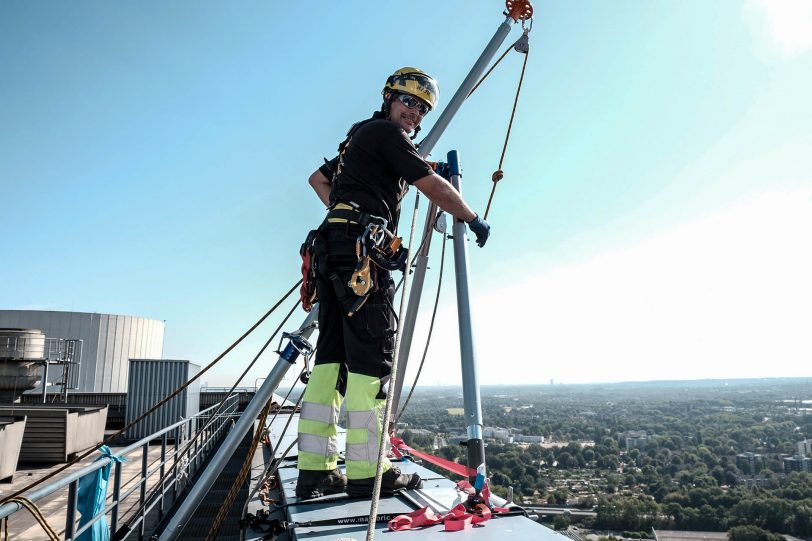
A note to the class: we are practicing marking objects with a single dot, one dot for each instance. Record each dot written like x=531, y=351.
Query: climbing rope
x=36, y=513
x=274, y=463
x=522, y=45
x=431, y=330
x=376, y=490
x=113, y=436
x=241, y=476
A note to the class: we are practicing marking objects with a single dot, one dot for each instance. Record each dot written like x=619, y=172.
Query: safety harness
x=376, y=247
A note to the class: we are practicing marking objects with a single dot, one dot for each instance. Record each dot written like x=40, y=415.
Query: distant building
x=420, y=431
x=496, y=433
x=750, y=481
x=635, y=439
x=797, y=463
x=108, y=342
x=677, y=535
x=805, y=448
x=749, y=462
x=520, y=438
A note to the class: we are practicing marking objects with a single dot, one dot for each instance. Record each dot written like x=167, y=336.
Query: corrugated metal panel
x=54, y=434
x=152, y=380
x=109, y=342
x=116, y=403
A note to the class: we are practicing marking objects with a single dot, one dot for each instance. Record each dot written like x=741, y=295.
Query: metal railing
x=66, y=354
x=207, y=389
x=21, y=347
x=176, y=464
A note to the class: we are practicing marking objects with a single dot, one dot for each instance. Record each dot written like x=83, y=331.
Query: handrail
x=226, y=389
x=12, y=507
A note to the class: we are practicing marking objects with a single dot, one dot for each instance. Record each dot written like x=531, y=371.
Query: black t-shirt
x=378, y=163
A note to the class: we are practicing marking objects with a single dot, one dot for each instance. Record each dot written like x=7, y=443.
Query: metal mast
x=422, y=257
x=470, y=379
x=264, y=393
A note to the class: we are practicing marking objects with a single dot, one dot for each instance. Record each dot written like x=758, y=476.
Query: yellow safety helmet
x=415, y=82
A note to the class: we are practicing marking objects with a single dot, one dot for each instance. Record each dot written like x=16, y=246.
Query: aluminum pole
x=470, y=380
x=235, y=435
x=422, y=259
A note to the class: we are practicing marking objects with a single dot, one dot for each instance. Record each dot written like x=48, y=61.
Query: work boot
x=391, y=481
x=317, y=483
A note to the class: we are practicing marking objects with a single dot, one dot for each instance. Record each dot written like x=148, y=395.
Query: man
x=365, y=182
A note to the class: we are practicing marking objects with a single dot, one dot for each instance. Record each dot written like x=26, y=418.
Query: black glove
x=481, y=229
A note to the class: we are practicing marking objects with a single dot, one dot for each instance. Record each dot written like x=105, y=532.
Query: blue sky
x=655, y=220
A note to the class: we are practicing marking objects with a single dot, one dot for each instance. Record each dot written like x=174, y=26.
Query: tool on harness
x=379, y=246
x=361, y=280
x=308, y=290
x=382, y=246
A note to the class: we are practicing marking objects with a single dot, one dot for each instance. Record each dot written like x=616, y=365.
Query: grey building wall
x=152, y=380
x=109, y=342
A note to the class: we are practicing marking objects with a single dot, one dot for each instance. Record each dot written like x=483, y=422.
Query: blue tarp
x=91, y=498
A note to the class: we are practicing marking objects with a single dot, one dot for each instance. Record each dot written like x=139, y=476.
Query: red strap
x=458, y=518
x=447, y=465
x=415, y=519
x=455, y=520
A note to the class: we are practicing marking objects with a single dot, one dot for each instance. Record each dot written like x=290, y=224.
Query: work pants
x=353, y=359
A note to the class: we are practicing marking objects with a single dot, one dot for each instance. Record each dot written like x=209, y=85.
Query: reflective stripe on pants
x=364, y=414
x=318, y=444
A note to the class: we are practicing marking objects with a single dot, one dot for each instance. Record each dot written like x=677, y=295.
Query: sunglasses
x=412, y=102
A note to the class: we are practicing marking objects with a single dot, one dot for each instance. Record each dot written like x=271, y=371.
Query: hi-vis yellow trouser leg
x=318, y=445
x=364, y=425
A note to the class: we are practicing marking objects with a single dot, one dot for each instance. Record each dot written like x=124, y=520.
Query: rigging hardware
x=519, y=10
